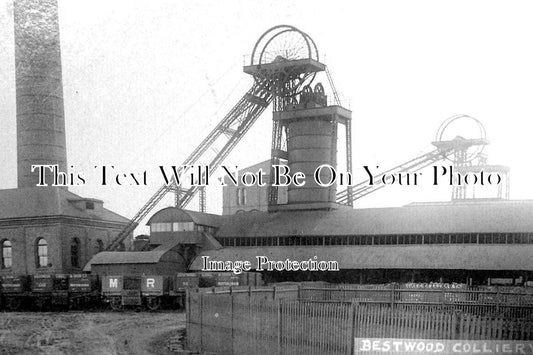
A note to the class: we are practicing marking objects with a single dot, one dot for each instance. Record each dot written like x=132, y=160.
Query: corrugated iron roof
x=479, y=217
x=130, y=257
x=174, y=214
x=469, y=257
x=47, y=202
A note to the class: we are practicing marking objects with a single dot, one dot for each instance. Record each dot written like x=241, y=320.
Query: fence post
x=457, y=334
x=499, y=298
x=393, y=291
x=279, y=326
x=352, y=333
x=187, y=305
x=201, y=321
x=232, y=324
x=274, y=292
x=298, y=295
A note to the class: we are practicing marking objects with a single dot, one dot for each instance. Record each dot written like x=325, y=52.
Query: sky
x=144, y=81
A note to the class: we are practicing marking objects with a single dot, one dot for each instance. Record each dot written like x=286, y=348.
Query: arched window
x=241, y=196
x=42, y=253
x=6, y=254
x=75, y=252
x=99, y=246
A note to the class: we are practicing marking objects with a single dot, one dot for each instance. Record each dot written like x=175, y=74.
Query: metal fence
x=270, y=320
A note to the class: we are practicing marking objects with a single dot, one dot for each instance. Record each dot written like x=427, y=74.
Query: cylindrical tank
x=311, y=142
x=39, y=90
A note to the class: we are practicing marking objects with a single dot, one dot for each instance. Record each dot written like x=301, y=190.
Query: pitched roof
x=174, y=214
x=458, y=217
x=50, y=201
x=131, y=257
x=468, y=257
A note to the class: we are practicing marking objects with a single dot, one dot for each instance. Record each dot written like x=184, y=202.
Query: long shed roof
x=461, y=217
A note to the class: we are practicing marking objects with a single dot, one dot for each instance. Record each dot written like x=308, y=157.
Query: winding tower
x=284, y=62
x=468, y=158
x=305, y=126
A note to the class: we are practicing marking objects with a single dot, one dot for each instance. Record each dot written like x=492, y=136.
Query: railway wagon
x=155, y=291
x=16, y=293
x=434, y=292
x=183, y=282
x=49, y=292
x=122, y=291
x=186, y=280
x=151, y=292
x=84, y=291
x=228, y=279
x=167, y=291
x=251, y=279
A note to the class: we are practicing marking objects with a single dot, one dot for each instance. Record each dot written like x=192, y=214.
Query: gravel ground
x=88, y=333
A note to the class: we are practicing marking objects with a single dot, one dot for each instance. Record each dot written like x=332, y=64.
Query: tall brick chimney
x=40, y=112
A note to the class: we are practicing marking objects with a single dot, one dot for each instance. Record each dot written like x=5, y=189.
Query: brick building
x=45, y=229
x=51, y=230
x=243, y=198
